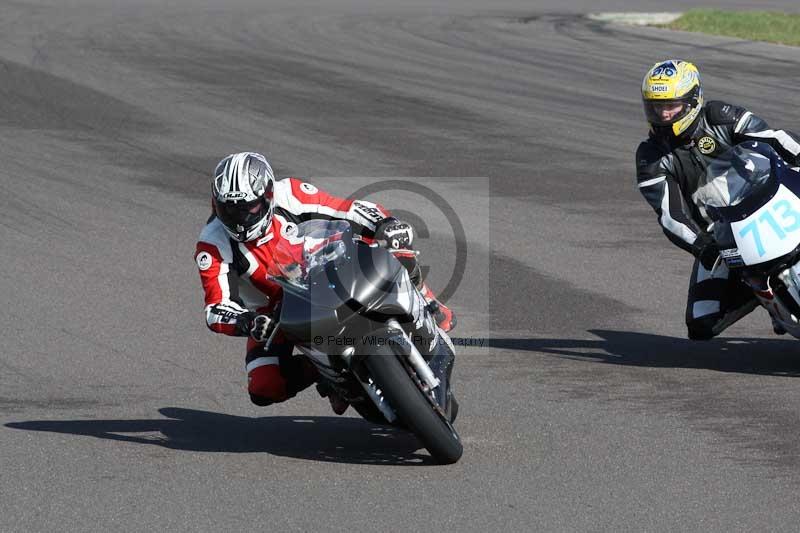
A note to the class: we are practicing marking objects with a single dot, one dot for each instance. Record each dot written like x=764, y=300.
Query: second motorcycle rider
x=686, y=135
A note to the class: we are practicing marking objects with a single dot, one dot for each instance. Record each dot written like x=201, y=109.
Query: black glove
x=262, y=328
x=706, y=250
x=258, y=327
x=394, y=234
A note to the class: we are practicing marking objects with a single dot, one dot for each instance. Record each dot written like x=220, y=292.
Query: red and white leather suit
x=235, y=277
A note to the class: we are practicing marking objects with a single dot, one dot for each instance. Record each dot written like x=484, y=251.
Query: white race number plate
x=770, y=232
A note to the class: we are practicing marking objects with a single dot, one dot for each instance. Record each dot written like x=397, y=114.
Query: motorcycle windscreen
x=771, y=231
x=313, y=245
x=736, y=175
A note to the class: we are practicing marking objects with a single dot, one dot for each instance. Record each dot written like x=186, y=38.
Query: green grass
x=767, y=26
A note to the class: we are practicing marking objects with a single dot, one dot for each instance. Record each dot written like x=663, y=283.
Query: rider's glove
x=394, y=234
x=706, y=250
x=258, y=327
x=262, y=328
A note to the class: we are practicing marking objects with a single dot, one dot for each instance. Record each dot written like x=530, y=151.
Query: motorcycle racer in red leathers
x=235, y=256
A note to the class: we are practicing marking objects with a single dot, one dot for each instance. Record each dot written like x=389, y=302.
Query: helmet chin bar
x=251, y=233
x=682, y=126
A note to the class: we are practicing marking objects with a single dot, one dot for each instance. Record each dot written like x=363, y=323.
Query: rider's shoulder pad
x=649, y=153
x=214, y=234
x=719, y=113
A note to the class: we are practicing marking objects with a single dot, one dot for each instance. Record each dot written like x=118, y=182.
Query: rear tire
x=411, y=405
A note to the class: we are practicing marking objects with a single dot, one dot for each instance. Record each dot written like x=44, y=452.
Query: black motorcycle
x=351, y=309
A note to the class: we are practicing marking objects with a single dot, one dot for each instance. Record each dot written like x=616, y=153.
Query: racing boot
x=444, y=316
x=777, y=328
x=338, y=404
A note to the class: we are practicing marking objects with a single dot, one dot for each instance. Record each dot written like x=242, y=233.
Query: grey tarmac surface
x=587, y=411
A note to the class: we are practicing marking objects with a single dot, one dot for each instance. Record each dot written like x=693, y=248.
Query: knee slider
x=260, y=400
x=702, y=329
x=266, y=384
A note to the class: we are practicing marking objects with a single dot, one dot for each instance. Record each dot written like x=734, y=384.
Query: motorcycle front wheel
x=413, y=408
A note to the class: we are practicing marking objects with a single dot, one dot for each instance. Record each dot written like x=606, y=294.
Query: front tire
x=411, y=405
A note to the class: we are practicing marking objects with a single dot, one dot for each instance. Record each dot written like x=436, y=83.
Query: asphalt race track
x=585, y=408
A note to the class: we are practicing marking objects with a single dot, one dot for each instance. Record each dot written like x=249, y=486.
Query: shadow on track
x=776, y=356
x=340, y=440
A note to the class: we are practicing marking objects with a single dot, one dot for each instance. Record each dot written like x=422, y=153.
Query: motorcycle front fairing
x=753, y=197
x=340, y=285
x=338, y=290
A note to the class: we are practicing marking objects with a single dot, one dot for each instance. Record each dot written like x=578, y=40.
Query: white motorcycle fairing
x=770, y=232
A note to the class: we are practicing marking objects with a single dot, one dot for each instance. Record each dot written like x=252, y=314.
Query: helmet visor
x=239, y=216
x=665, y=112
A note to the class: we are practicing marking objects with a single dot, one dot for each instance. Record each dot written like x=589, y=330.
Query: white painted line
x=636, y=19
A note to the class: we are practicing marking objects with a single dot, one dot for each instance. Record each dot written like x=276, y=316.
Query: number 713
x=786, y=213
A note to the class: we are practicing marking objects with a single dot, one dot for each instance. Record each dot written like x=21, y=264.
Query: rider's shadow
x=778, y=356
x=332, y=439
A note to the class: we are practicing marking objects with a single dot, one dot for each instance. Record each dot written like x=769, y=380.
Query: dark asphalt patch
x=36, y=100
x=545, y=302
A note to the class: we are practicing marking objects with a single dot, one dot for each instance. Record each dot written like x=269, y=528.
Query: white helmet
x=242, y=195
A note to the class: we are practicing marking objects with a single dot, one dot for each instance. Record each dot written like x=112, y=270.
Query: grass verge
x=769, y=26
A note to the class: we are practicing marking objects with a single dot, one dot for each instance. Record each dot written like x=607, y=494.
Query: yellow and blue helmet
x=672, y=95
